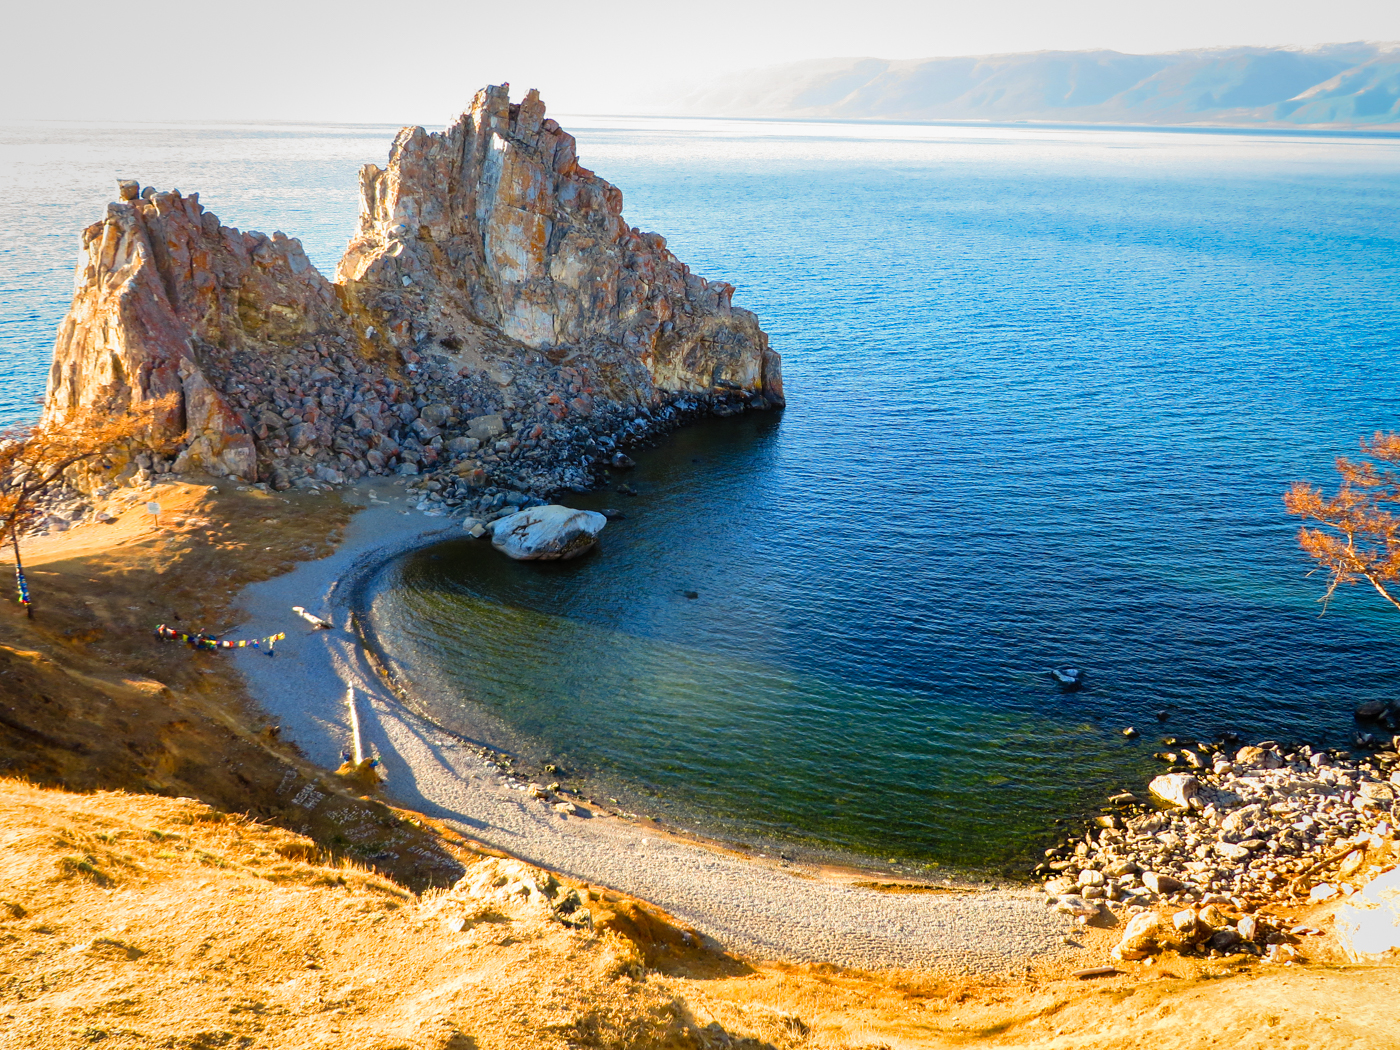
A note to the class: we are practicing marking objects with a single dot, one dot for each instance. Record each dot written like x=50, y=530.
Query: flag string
x=202, y=641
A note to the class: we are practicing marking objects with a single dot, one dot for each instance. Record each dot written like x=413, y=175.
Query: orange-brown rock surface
x=493, y=226
x=490, y=275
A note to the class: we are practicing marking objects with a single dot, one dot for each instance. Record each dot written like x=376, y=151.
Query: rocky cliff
x=493, y=312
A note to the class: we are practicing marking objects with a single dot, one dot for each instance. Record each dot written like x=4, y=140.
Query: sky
x=420, y=61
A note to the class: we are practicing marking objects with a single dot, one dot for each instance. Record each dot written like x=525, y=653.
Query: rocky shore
x=1224, y=835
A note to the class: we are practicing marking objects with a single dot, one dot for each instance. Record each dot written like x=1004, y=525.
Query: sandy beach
x=750, y=907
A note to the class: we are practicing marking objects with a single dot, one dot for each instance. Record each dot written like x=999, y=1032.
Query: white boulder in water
x=550, y=533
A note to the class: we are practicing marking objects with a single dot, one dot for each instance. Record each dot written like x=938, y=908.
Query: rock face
x=492, y=284
x=551, y=533
x=493, y=224
x=160, y=289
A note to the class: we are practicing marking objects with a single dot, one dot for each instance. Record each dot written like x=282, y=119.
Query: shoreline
x=525, y=759
x=758, y=907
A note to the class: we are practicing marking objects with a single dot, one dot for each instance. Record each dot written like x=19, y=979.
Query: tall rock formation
x=493, y=227
x=490, y=274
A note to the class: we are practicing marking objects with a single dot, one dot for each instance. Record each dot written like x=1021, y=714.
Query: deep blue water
x=1046, y=388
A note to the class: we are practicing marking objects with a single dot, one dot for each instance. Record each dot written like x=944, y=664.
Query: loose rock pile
x=1238, y=831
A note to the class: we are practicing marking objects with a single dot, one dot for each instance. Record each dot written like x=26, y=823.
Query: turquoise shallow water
x=1046, y=388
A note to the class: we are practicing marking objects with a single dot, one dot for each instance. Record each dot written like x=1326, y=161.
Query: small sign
x=153, y=509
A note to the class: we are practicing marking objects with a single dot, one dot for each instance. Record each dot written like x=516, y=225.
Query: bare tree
x=1360, y=535
x=35, y=459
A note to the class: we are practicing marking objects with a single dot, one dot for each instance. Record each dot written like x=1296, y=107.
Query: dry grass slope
x=90, y=699
x=136, y=921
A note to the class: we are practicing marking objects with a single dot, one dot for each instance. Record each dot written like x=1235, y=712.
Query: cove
x=1046, y=388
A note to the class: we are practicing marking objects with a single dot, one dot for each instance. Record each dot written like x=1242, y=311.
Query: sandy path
x=749, y=907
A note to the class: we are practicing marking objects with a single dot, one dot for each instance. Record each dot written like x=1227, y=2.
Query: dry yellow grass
x=91, y=699
x=137, y=921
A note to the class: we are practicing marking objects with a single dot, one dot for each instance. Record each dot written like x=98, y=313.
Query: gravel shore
x=1242, y=829
x=757, y=909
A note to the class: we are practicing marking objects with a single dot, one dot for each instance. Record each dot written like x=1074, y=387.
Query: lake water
x=1046, y=388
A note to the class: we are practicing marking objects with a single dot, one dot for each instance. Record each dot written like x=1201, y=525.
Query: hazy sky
x=403, y=61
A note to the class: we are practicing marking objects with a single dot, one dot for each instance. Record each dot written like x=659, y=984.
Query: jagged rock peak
x=489, y=272
x=161, y=288
x=493, y=222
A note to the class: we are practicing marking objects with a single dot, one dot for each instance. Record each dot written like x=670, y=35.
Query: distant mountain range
x=1328, y=86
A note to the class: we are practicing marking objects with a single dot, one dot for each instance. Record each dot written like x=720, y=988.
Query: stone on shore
x=1258, y=758
x=1145, y=935
x=1179, y=789
x=1368, y=925
x=485, y=428
x=1073, y=904
x=1159, y=883
x=552, y=533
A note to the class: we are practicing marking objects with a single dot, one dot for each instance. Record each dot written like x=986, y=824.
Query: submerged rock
x=552, y=533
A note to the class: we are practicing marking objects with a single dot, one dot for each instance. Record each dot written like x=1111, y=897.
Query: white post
x=355, y=725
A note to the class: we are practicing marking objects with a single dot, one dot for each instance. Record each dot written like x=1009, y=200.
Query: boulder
x=460, y=446
x=1241, y=818
x=1230, y=851
x=1213, y=917
x=1376, y=791
x=1073, y=904
x=1145, y=935
x=1368, y=924
x=484, y=428
x=1258, y=758
x=1159, y=883
x=1178, y=789
x=423, y=430
x=1192, y=759
x=435, y=415
x=1185, y=924
x=551, y=533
